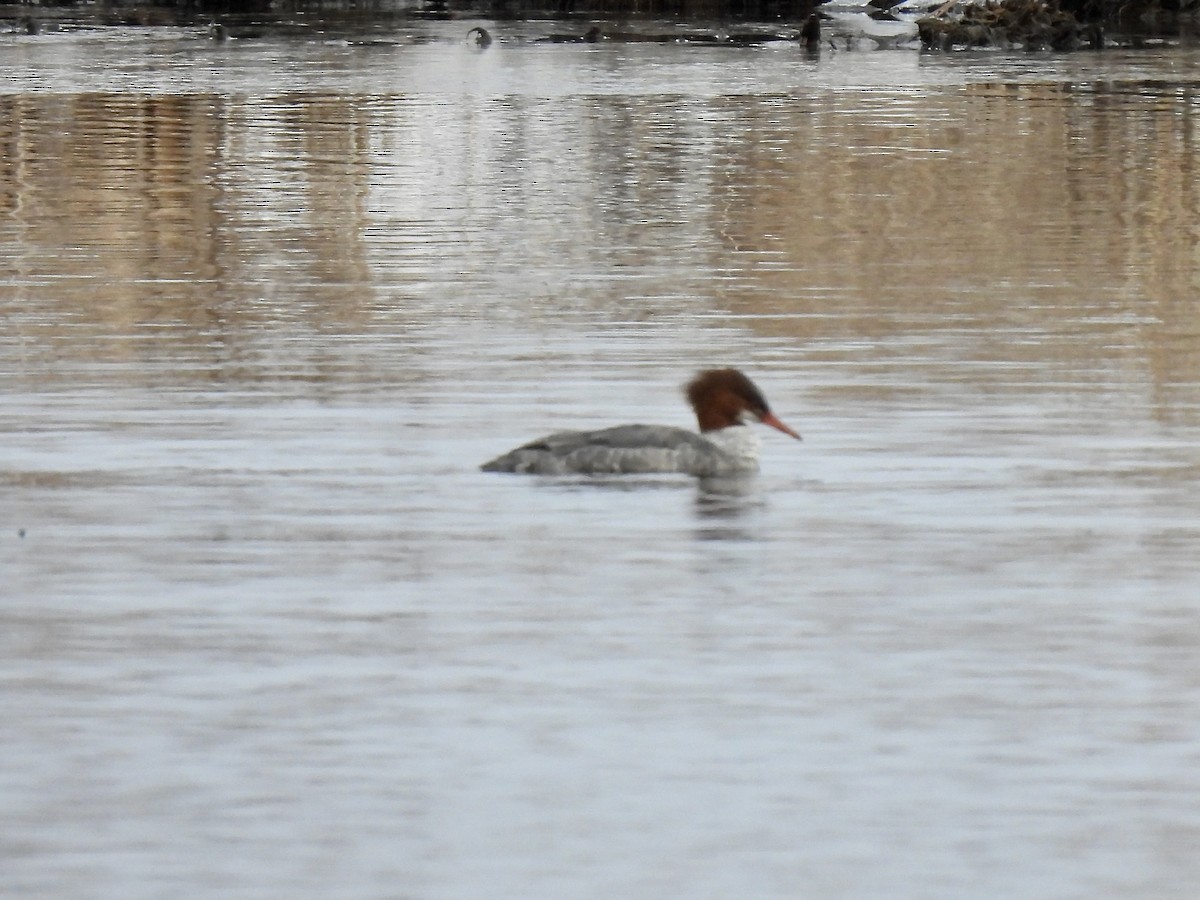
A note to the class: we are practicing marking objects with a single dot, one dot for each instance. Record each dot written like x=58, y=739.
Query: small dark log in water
x=591, y=36
x=810, y=34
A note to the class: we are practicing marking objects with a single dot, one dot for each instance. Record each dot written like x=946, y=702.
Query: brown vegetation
x=1032, y=24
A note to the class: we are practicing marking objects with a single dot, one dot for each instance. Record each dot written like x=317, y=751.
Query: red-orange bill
x=769, y=419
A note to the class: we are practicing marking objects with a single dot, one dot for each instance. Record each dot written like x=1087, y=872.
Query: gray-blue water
x=266, y=631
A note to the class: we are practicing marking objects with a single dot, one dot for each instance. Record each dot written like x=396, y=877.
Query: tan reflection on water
x=1065, y=214
x=294, y=644
x=189, y=212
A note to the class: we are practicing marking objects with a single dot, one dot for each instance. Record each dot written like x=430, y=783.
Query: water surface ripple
x=265, y=629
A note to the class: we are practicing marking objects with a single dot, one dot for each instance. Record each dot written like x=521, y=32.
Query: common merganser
x=723, y=400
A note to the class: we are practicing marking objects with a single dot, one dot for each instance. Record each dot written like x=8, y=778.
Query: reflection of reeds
x=1033, y=223
x=1070, y=215
x=163, y=211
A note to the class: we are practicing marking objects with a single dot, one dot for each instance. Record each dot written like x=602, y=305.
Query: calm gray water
x=266, y=631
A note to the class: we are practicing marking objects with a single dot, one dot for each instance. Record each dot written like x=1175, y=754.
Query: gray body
x=633, y=450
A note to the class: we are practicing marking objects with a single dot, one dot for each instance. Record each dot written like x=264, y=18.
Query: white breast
x=740, y=442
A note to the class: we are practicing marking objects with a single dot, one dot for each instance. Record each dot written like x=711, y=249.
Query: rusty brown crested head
x=721, y=397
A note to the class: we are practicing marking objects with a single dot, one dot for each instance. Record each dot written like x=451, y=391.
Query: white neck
x=739, y=441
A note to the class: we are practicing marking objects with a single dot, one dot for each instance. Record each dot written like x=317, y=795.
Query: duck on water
x=724, y=401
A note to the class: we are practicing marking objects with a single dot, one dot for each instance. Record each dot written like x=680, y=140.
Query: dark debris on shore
x=1029, y=24
x=956, y=24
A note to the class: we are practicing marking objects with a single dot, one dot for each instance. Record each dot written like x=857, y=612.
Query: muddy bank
x=1030, y=24
x=1055, y=24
